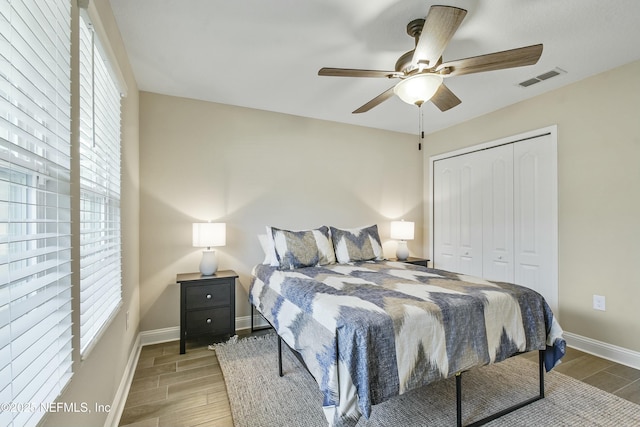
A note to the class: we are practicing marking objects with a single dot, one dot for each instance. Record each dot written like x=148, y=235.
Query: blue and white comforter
x=373, y=330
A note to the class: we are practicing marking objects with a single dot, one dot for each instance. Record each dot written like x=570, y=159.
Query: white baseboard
x=244, y=322
x=117, y=406
x=601, y=349
x=158, y=336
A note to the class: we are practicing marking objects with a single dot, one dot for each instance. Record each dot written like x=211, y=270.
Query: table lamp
x=402, y=231
x=206, y=235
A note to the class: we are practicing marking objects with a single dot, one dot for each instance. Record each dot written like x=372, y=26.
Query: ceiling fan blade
x=350, y=72
x=375, y=101
x=444, y=99
x=519, y=57
x=439, y=26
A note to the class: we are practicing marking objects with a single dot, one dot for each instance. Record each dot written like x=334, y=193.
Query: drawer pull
x=208, y=296
x=208, y=320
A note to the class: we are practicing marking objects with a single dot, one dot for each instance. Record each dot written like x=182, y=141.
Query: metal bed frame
x=458, y=376
x=458, y=389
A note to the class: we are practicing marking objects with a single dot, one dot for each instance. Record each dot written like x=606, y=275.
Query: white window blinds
x=100, y=248
x=35, y=276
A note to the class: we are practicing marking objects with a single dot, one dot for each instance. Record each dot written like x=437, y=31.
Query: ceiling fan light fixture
x=418, y=89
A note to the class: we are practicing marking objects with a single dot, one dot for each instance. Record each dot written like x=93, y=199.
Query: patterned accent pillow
x=357, y=244
x=307, y=248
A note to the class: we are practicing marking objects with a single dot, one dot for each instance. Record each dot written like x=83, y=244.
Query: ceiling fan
x=421, y=70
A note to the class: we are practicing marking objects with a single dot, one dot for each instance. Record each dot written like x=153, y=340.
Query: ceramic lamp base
x=209, y=263
x=402, y=252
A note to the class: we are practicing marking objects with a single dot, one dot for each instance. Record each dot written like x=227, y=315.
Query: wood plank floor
x=170, y=389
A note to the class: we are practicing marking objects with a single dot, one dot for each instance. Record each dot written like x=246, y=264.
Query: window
x=100, y=245
x=35, y=225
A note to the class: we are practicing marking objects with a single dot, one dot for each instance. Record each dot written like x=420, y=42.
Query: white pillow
x=270, y=252
x=264, y=244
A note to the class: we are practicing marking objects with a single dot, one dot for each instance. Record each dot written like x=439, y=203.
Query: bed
x=368, y=329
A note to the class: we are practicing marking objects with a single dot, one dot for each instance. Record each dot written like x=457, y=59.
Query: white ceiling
x=265, y=54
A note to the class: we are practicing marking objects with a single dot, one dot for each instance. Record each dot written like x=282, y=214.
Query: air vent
x=542, y=77
x=529, y=82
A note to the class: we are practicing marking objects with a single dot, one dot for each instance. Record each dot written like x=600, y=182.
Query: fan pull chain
x=420, y=127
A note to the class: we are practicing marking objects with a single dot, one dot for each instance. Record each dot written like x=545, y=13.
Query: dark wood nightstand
x=207, y=305
x=412, y=260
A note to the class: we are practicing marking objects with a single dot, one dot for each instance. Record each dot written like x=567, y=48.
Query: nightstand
x=207, y=305
x=412, y=260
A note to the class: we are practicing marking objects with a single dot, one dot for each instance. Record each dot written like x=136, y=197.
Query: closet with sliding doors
x=494, y=211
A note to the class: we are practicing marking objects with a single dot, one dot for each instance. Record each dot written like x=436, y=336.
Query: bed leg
x=541, y=372
x=504, y=411
x=280, y=356
x=459, y=399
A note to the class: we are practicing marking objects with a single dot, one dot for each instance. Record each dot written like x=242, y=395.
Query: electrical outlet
x=598, y=302
x=126, y=321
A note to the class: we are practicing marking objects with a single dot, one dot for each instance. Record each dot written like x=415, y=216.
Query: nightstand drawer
x=213, y=322
x=208, y=295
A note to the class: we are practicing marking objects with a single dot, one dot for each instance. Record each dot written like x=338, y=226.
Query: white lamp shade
x=402, y=230
x=207, y=234
x=418, y=89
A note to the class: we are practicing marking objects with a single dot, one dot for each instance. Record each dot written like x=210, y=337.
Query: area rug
x=260, y=398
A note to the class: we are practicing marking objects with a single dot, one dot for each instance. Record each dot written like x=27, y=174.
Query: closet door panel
x=458, y=214
x=533, y=211
x=445, y=202
x=497, y=208
x=470, y=225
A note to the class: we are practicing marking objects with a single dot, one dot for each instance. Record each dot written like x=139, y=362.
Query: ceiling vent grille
x=542, y=77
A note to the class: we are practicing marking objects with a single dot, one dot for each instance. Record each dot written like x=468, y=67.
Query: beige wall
x=96, y=378
x=203, y=161
x=598, y=194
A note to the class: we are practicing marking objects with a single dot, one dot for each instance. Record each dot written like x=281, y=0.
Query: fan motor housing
x=414, y=28
x=404, y=62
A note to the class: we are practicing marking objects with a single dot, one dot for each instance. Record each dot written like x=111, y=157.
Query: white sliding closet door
x=445, y=206
x=458, y=200
x=470, y=221
x=497, y=215
x=534, y=167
